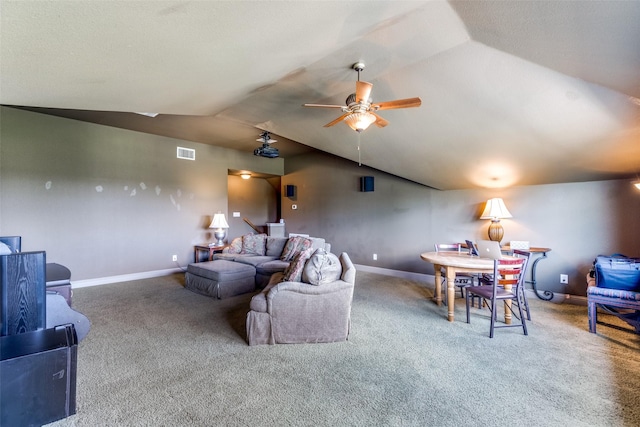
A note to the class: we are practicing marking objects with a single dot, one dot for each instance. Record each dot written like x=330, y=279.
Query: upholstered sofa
x=268, y=254
x=311, y=309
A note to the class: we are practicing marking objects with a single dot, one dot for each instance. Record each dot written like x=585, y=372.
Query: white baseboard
x=123, y=278
x=418, y=277
x=558, y=298
x=575, y=299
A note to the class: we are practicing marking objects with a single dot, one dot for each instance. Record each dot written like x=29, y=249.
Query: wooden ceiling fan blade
x=323, y=106
x=398, y=103
x=363, y=91
x=380, y=122
x=336, y=121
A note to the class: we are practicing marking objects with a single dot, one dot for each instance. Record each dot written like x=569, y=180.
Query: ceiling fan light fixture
x=360, y=121
x=360, y=111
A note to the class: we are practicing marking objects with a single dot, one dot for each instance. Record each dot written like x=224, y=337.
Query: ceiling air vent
x=186, y=153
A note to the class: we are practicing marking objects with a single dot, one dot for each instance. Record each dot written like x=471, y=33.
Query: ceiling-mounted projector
x=266, y=150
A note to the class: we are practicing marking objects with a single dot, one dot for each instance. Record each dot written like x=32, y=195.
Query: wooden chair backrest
x=509, y=271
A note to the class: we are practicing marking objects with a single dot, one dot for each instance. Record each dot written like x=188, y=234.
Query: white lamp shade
x=495, y=209
x=219, y=221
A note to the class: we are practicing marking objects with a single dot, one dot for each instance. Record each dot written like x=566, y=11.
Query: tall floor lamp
x=495, y=210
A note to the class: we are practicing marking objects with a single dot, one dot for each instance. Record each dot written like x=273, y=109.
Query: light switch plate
x=236, y=214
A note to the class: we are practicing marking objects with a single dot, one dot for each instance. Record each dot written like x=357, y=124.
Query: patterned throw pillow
x=288, y=249
x=305, y=244
x=294, y=246
x=254, y=244
x=293, y=273
x=236, y=246
x=323, y=267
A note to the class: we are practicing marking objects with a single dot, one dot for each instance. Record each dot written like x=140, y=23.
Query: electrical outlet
x=564, y=278
x=375, y=257
x=236, y=214
x=174, y=257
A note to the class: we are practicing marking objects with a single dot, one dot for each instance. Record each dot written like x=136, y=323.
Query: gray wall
x=68, y=187
x=105, y=201
x=255, y=199
x=401, y=219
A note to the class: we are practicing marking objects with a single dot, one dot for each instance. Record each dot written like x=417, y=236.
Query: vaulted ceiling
x=513, y=92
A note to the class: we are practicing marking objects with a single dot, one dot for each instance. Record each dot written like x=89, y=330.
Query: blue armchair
x=614, y=287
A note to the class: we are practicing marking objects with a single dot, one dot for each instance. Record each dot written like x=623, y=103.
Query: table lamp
x=495, y=210
x=219, y=224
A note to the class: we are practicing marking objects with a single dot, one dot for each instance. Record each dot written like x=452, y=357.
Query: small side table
x=205, y=247
x=546, y=295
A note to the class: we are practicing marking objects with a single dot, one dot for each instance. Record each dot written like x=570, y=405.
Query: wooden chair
x=523, y=294
x=506, y=272
x=462, y=279
x=487, y=279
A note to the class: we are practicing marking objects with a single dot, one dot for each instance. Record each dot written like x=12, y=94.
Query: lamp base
x=496, y=232
x=219, y=234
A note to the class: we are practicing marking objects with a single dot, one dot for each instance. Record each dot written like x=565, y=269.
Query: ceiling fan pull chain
x=359, y=162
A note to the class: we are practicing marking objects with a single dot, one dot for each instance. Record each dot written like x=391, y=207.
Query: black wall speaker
x=290, y=190
x=366, y=183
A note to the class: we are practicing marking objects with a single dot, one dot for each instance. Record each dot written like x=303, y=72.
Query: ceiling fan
x=360, y=111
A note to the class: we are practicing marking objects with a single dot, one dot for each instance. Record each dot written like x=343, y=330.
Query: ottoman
x=220, y=278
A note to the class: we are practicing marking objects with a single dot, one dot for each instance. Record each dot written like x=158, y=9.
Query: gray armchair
x=26, y=301
x=297, y=312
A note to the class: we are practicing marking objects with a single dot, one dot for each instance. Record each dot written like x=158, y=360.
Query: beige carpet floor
x=160, y=355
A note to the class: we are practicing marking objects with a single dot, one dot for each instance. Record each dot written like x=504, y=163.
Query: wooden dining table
x=457, y=262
